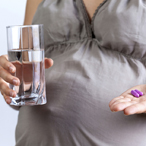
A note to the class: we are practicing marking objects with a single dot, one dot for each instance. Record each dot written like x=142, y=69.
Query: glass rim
x=23, y=26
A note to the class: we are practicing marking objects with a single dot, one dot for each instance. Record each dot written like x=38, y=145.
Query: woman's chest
x=117, y=25
x=91, y=6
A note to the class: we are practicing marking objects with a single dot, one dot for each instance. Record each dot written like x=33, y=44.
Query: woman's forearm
x=31, y=7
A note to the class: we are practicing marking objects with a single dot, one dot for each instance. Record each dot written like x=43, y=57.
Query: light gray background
x=11, y=13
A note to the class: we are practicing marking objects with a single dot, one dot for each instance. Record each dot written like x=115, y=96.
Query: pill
x=139, y=92
x=134, y=93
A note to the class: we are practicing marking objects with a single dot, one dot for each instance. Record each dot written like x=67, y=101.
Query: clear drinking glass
x=26, y=52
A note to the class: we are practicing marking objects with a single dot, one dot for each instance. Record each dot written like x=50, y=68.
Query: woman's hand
x=6, y=71
x=128, y=103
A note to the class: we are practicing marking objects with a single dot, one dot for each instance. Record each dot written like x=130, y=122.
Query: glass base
x=33, y=99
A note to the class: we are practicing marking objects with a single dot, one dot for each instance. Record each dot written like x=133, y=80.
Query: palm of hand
x=128, y=103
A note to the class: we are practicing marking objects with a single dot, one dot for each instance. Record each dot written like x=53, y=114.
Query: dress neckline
x=86, y=10
x=90, y=23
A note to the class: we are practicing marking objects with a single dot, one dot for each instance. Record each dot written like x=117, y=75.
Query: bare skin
x=128, y=103
x=91, y=6
x=125, y=102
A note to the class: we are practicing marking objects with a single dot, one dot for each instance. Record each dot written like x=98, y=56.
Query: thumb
x=48, y=63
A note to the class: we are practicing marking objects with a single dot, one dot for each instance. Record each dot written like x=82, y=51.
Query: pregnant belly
x=77, y=111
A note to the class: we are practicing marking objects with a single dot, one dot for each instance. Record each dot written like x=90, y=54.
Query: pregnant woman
x=99, y=53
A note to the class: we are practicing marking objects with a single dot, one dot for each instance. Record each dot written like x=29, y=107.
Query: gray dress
x=92, y=65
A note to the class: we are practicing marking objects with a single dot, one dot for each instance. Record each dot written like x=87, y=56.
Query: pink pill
x=134, y=93
x=139, y=92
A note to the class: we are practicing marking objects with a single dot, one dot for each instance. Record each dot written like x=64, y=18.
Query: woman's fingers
x=7, y=98
x=122, y=105
x=6, y=69
x=123, y=97
x=120, y=100
x=136, y=108
x=48, y=63
x=5, y=75
x=4, y=63
x=115, y=99
x=4, y=88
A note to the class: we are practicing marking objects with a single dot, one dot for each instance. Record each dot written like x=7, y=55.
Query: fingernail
x=12, y=94
x=8, y=101
x=11, y=69
x=15, y=81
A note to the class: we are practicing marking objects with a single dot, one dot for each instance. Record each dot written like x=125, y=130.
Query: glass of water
x=26, y=53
